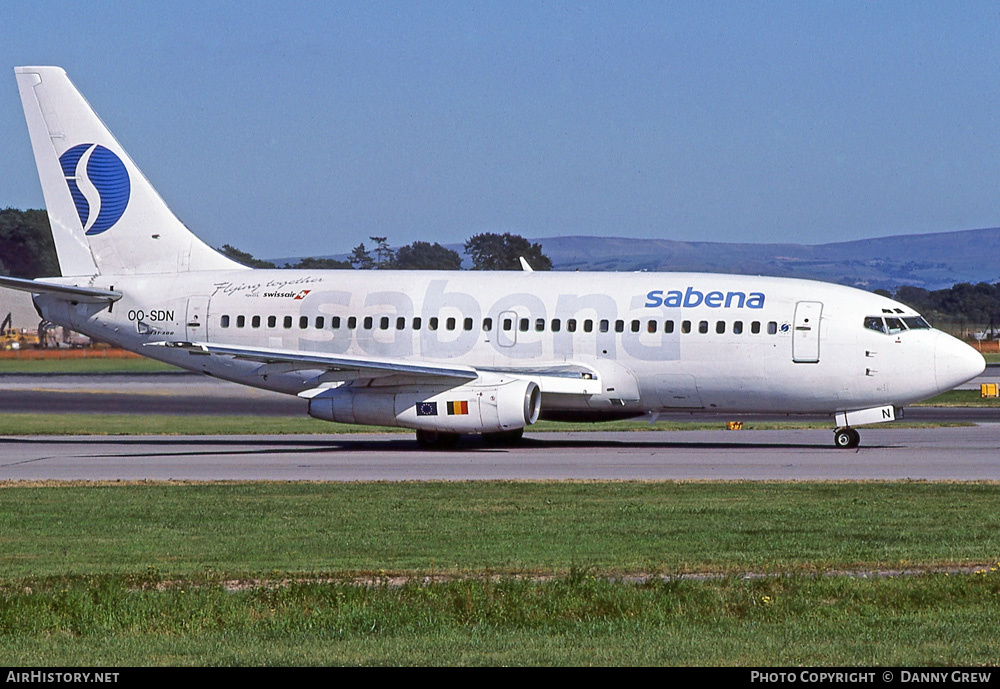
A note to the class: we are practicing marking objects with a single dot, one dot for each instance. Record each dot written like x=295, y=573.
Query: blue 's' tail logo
x=99, y=183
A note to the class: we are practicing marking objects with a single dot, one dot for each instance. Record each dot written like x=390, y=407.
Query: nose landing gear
x=846, y=438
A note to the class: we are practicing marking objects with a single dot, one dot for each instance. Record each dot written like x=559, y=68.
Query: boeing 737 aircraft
x=453, y=352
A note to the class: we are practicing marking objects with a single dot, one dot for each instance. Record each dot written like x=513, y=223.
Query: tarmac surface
x=961, y=454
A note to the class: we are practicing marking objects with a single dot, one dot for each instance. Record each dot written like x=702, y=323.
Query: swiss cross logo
x=302, y=294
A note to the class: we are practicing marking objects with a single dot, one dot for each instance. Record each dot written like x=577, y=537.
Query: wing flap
x=291, y=360
x=562, y=379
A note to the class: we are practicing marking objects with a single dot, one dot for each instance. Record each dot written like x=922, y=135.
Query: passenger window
x=685, y=327
x=556, y=325
x=467, y=324
x=720, y=327
x=335, y=322
x=432, y=323
x=487, y=324
x=450, y=324
x=224, y=322
x=619, y=326
x=523, y=325
x=634, y=326
x=241, y=321
x=352, y=322
x=303, y=322
x=368, y=322
x=772, y=328
x=383, y=323
x=651, y=327
x=668, y=327
x=737, y=327
x=755, y=327
x=417, y=322
x=272, y=321
x=320, y=322
x=400, y=323
x=508, y=324
x=604, y=325
x=703, y=327
x=539, y=325
x=571, y=325
x=588, y=326
x=287, y=322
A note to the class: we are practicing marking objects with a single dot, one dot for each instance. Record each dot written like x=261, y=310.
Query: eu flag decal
x=427, y=409
x=458, y=408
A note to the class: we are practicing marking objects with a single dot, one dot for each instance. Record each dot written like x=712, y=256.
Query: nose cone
x=955, y=362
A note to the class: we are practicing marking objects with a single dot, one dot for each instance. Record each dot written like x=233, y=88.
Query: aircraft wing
x=559, y=378
x=68, y=292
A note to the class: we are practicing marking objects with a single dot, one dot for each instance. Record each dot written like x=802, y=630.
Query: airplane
x=449, y=353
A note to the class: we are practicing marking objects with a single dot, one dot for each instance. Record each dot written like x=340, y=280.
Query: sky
x=304, y=128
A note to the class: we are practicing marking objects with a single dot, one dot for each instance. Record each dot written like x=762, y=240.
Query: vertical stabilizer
x=106, y=217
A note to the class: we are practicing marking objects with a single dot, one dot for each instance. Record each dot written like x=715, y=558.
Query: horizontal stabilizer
x=69, y=292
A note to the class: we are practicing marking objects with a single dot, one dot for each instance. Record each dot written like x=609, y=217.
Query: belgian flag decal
x=458, y=408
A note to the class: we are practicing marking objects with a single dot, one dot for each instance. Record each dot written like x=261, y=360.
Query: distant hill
x=931, y=261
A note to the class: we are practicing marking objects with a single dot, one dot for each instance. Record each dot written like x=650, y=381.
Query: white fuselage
x=658, y=341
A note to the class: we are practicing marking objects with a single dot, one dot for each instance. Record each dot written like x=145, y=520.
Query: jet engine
x=490, y=404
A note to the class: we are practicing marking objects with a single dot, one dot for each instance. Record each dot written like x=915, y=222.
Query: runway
x=958, y=454
x=887, y=452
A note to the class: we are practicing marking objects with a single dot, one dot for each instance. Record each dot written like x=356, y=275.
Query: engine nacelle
x=490, y=404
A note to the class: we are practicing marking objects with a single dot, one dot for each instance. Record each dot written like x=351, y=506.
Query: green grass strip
x=498, y=574
x=574, y=620
x=511, y=527
x=88, y=365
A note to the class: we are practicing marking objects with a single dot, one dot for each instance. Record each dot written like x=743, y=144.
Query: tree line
x=960, y=307
x=488, y=251
x=26, y=248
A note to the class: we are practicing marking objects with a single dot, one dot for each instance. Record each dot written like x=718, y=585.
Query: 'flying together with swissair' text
x=451, y=353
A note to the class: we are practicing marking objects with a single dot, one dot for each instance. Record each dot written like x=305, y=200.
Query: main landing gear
x=438, y=440
x=846, y=438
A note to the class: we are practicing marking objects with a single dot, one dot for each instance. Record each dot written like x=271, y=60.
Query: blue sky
x=292, y=129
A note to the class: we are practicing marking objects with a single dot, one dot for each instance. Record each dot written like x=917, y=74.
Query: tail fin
x=106, y=217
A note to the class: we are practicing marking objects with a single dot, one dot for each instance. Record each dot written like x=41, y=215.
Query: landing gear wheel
x=846, y=438
x=503, y=438
x=436, y=440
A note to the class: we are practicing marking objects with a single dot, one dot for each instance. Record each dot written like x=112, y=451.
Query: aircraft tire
x=846, y=438
x=436, y=440
x=503, y=438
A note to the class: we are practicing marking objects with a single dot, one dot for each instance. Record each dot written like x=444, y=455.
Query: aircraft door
x=507, y=329
x=196, y=319
x=805, y=332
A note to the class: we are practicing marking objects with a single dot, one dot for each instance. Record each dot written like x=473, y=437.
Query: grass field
x=499, y=574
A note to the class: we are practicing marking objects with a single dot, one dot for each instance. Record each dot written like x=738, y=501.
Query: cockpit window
x=875, y=323
x=894, y=325
x=916, y=323
x=891, y=325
